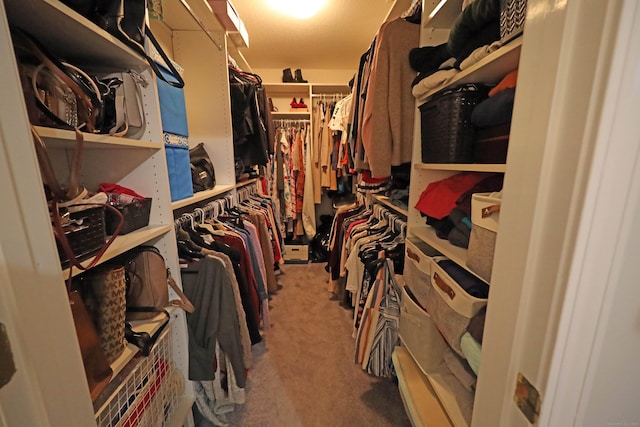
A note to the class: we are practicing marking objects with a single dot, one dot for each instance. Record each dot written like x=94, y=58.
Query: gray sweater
x=207, y=284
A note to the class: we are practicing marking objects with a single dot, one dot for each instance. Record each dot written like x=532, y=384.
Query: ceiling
x=333, y=39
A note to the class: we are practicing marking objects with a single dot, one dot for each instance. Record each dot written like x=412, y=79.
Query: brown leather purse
x=96, y=367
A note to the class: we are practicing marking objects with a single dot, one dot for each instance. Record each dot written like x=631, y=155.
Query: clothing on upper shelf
x=253, y=131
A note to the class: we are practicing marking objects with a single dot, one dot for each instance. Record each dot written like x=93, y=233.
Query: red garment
x=107, y=187
x=245, y=265
x=439, y=198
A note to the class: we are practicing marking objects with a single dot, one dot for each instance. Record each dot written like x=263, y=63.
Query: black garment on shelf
x=249, y=118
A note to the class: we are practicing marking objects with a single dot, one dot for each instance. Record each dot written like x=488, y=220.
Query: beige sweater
x=387, y=128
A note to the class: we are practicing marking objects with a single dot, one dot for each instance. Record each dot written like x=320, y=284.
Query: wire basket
x=146, y=392
x=446, y=130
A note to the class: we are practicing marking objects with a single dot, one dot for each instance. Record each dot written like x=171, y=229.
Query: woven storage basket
x=446, y=130
x=512, y=17
x=86, y=235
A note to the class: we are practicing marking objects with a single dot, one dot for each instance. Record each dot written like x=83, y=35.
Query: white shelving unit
x=456, y=402
x=32, y=280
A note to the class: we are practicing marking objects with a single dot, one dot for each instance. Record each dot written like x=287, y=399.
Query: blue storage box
x=173, y=111
x=179, y=168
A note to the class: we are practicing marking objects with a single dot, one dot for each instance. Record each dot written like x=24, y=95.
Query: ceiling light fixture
x=301, y=9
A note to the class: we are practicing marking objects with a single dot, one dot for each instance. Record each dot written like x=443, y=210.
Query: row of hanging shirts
x=228, y=250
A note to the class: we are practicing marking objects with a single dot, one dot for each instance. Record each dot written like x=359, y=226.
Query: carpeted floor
x=303, y=372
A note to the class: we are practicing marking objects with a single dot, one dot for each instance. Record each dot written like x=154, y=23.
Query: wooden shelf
x=91, y=44
x=419, y=398
x=463, y=167
x=123, y=243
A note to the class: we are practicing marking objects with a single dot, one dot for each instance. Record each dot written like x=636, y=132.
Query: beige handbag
x=105, y=301
x=147, y=279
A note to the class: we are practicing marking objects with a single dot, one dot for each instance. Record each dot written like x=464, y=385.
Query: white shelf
x=286, y=88
x=457, y=400
x=384, y=200
x=247, y=182
x=419, y=398
x=61, y=138
x=202, y=195
x=457, y=254
x=277, y=115
x=444, y=14
x=463, y=167
x=488, y=70
x=91, y=44
x=124, y=243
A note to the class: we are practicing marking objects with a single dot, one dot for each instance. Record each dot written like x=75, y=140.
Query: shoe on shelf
x=301, y=104
x=294, y=103
x=287, y=77
x=271, y=106
x=299, y=78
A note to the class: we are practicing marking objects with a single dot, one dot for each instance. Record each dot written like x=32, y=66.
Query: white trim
x=596, y=269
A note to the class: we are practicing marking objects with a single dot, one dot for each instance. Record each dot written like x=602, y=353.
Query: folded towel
x=479, y=54
x=471, y=350
x=433, y=81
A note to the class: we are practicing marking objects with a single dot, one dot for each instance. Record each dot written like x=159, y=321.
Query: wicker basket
x=86, y=235
x=446, y=128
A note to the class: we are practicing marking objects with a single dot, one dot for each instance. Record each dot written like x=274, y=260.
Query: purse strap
x=183, y=302
x=83, y=92
x=174, y=73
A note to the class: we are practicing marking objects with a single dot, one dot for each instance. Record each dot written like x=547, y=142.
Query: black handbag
x=126, y=20
x=203, y=175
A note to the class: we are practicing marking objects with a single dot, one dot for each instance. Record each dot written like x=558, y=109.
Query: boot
x=287, y=77
x=299, y=78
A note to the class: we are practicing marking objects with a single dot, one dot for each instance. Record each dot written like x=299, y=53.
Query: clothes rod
x=201, y=24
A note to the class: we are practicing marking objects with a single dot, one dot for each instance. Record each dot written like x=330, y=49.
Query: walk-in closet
x=374, y=213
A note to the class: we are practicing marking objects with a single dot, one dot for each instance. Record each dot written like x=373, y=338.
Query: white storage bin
x=451, y=306
x=417, y=268
x=296, y=254
x=419, y=335
x=485, y=217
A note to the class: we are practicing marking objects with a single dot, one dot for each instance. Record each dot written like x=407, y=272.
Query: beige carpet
x=303, y=373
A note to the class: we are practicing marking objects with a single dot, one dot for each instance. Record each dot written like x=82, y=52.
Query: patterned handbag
x=106, y=302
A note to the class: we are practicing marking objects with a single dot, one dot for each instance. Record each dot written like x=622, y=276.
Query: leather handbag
x=96, y=367
x=104, y=291
x=57, y=94
x=126, y=20
x=148, y=281
x=123, y=104
x=203, y=175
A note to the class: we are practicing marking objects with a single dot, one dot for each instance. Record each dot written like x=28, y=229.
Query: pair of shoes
x=295, y=104
x=287, y=77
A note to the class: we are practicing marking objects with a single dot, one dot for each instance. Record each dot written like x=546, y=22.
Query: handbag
x=126, y=20
x=203, y=175
x=57, y=94
x=147, y=277
x=96, y=367
x=123, y=104
x=104, y=291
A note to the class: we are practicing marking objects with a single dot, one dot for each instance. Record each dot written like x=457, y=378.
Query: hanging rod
x=201, y=24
